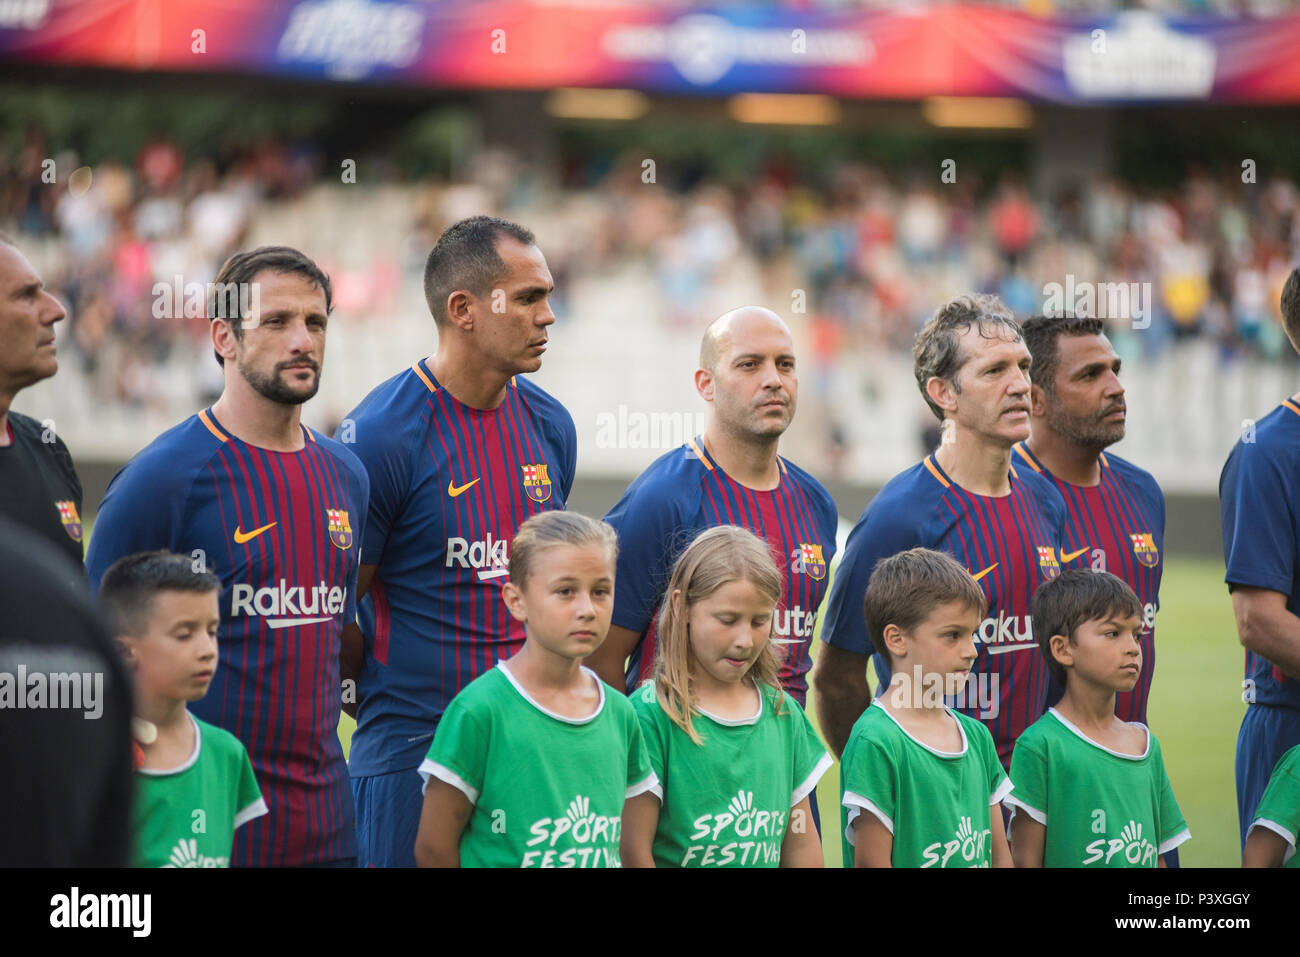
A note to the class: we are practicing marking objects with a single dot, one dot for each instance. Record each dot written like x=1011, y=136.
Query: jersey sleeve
x=1173, y=829
x=458, y=755
x=650, y=535
x=1029, y=772
x=1258, y=525
x=999, y=784
x=654, y=733
x=641, y=776
x=875, y=536
x=869, y=784
x=385, y=456
x=248, y=795
x=142, y=511
x=361, y=508
x=1279, y=808
x=811, y=759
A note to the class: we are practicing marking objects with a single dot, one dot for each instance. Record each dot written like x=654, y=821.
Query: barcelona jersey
x=450, y=484
x=281, y=530
x=1259, y=501
x=1118, y=526
x=1010, y=544
x=685, y=492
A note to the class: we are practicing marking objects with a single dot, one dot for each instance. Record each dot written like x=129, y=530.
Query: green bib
x=547, y=790
x=1279, y=808
x=1101, y=808
x=727, y=803
x=187, y=817
x=935, y=803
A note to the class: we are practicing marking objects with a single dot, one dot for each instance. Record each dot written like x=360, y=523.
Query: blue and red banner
x=962, y=49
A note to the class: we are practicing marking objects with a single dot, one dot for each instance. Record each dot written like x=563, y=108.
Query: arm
x=873, y=844
x=352, y=650
x=1001, y=853
x=640, y=821
x=839, y=678
x=1028, y=839
x=1265, y=627
x=609, y=661
x=442, y=822
x=802, y=846
x=1264, y=848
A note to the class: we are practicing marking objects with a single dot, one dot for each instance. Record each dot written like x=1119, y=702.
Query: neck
x=909, y=690
x=976, y=464
x=536, y=667
x=1068, y=461
x=166, y=714
x=259, y=421
x=463, y=373
x=751, y=462
x=1087, y=706
x=725, y=696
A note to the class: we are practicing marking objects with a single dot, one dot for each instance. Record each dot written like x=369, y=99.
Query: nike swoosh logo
x=1073, y=555
x=453, y=490
x=985, y=572
x=241, y=537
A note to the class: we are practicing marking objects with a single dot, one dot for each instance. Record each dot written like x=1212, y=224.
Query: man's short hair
x=1042, y=334
x=1291, y=308
x=128, y=588
x=1074, y=598
x=906, y=588
x=225, y=296
x=465, y=257
x=937, y=350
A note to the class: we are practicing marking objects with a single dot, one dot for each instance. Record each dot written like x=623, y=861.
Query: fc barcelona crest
x=340, y=528
x=71, y=520
x=1047, y=562
x=811, y=560
x=1144, y=547
x=537, y=482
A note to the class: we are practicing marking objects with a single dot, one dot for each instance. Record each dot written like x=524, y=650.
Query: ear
x=460, y=310
x=514, y=599
x=895, y=640
x=1037, y=401
x=704, y=384
x=223, y=340
x=941, y=393
x=127, y=650
x=1061, y=650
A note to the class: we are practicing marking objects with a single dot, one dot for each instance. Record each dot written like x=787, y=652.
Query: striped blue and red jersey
x=450, y=485
x=279, y=529
x=1118, y=526
x=684, y=492
x=1259, y=503
x=1010, y=544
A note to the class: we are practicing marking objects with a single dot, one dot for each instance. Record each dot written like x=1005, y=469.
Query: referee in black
x=39, y=487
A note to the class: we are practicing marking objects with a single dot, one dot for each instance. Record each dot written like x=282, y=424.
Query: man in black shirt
x=39, y=487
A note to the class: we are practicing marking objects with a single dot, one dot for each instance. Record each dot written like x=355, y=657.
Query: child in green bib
x=735, y=756
x=1091, y=789
x=1272, y=838
x=533, y=760
x=194, y=783
x=920, y=783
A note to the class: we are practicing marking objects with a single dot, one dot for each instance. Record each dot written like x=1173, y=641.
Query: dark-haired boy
x=1092, y=787
x=920, y=783
x=194, y=783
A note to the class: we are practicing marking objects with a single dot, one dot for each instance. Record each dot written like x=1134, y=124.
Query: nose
x=968, y=651
x=1114, y=388
x=54, y=309
x=209, y=647
x=301, y=339
x=585, y=607
x=544, y=316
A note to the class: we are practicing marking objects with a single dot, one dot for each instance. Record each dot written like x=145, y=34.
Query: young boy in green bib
x=1272, y=838
x=1091, y=789
x=194, y=782
x=920, y=783
x=533, y=761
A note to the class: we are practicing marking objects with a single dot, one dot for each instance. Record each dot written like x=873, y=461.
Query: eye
x=726, y=619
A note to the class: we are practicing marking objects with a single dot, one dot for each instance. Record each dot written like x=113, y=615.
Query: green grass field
x=1195, y=711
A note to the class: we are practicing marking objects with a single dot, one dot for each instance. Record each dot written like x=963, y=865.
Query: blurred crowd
x=862, y=256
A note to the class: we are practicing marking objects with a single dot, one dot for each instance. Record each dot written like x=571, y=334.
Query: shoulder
x=873, y=731
x=218, y=743
x=344, y=455
x=545, y=409
x=1289, y=763
x=671, y=481
x=975, y=729
x=811, y=487
x=173, y=458
x=901, y=509
x=1137, y=477
x=645, y=700
x=1037, y=734
x=32, y=434
x=1040, y=487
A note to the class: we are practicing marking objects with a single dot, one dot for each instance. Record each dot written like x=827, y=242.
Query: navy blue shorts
x=388, y=818
x=1266, y=734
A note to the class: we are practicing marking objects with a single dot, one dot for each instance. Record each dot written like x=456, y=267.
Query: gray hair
x=937, y=350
